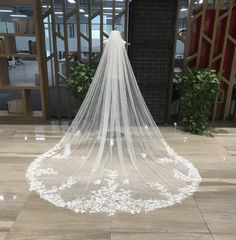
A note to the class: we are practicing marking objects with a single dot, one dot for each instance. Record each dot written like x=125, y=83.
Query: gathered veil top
x=113, y=157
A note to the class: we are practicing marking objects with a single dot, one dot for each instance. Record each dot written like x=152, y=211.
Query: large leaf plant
x=198, y=89
x=80, y=78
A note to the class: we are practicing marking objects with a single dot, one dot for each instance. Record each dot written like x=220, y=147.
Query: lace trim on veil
x=111, y=197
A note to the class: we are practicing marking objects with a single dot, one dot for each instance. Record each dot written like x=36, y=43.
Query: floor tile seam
x=165, y=232
x=200, y=211
x=15, y=222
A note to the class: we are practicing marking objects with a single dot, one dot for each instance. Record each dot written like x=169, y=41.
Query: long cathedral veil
x=113, y=157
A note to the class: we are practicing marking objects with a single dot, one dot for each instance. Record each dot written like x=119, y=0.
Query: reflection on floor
x=209, y=215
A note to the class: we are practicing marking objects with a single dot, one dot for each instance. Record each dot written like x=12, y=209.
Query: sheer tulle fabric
x=113, y=157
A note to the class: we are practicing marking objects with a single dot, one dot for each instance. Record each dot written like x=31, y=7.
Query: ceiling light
x=81, y=10
x=59, y=13
x=86, y=15
x=71, y=1
x=198, y=2
x=110, y=13
x=6, y=11
x=45, y=6
x=18, y=15
x=110, y=8
x=183, y=9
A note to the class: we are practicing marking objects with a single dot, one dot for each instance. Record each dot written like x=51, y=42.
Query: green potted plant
x=79, y=80
x=198, y=89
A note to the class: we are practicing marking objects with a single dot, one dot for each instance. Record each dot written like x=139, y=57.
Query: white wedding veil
x=113, y=157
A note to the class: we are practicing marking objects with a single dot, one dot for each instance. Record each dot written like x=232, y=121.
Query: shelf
x=20, y=86
x=22, y=55
x=35, y=114
x=19, y=34
x=23, y=43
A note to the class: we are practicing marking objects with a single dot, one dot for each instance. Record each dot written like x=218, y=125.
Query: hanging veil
x=113, y=157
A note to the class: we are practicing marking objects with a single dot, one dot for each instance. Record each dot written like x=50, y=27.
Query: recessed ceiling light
x=71, y=1
x=183, y=9
x=110, y=8
x=110, y=13
x=59, y=13
x=6, y=11
x=198, y=1
x=18, y=15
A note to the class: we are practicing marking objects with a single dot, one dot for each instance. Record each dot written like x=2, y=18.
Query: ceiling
x=27, y=9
